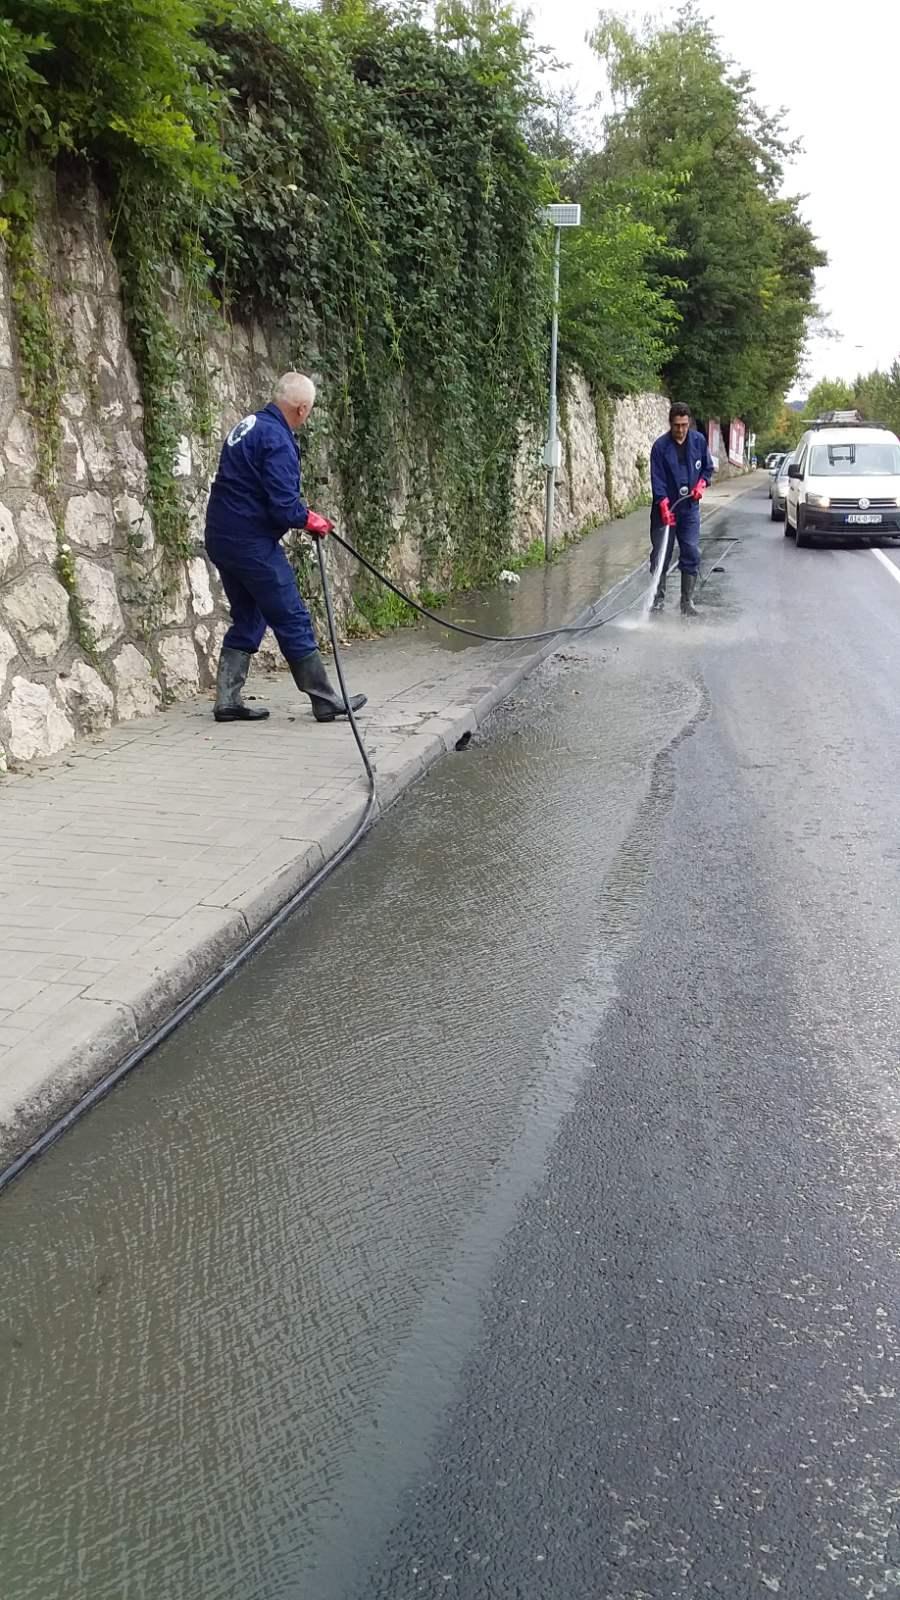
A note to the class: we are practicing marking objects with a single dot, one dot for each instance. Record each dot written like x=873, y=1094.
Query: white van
x=844, y=479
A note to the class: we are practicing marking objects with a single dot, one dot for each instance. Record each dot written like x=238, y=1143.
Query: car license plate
x=868, y=517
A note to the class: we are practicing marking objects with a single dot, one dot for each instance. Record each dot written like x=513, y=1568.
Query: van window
x=851, y=459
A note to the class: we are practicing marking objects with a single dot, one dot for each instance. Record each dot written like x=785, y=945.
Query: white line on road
x=892, y=569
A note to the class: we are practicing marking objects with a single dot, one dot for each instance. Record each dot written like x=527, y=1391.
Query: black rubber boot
x=659, y=599
x=327, y=703
x=688, y=585
x=230, y=679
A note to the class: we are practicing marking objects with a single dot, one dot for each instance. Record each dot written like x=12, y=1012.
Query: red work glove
x=699, y=486
x=667, y=514
x=318, y=526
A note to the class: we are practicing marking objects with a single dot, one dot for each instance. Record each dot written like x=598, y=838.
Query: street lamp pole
x=551, y=452
x=559, y=216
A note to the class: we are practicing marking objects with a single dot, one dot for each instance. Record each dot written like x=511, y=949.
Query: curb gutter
x=103, y=1040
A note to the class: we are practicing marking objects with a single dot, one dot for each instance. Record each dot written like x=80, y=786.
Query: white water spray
x=666, y=550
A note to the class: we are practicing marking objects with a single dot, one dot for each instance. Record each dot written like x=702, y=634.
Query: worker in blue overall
x=681, y=468
x=254, y=501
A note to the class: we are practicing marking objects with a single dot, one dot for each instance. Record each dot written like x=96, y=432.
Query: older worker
x=254, y=501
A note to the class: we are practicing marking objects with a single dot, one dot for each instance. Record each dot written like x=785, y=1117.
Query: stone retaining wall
x=155, y=629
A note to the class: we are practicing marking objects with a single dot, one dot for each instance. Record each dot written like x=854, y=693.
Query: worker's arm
x=659, y=486
x=280, y=471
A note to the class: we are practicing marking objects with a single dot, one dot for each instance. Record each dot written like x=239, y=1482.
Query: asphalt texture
x=550, y=1246
x=686, y=1380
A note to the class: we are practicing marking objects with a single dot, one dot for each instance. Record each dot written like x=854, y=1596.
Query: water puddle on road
x=236, y=1298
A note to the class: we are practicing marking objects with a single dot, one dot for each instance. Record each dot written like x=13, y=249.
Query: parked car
x=772, y=459
x=773, y=463
x=844, y=479
x=778, y=488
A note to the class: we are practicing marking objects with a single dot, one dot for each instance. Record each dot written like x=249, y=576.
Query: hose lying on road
x=206, y=990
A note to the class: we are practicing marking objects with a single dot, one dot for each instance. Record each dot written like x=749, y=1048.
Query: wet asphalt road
x=686, y=1381
x=557, y=1253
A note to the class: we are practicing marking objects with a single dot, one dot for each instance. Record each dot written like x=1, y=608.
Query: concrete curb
x=123, y=1009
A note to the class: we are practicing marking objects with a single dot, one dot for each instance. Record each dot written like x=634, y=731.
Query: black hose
x=474, y=633
x=348, y=702
x=199, y=996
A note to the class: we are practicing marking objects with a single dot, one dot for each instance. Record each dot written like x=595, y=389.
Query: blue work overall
x=674, y=470
x=255, y=499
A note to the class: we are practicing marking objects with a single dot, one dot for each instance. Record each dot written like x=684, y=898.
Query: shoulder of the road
x=139, y=863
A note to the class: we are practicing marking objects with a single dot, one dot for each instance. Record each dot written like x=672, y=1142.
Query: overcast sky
x=835, y=67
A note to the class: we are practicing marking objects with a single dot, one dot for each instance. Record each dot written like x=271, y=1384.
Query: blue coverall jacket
x=668, y=477
x=255, y=499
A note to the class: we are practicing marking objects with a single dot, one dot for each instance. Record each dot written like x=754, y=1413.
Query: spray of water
x=641, y=618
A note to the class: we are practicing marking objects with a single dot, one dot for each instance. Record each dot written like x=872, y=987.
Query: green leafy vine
x=354, y=178
x=603, y=408
x=40, y=347
x=43, y=365
x=385, y=215
x=169, y=310
x=64, y=567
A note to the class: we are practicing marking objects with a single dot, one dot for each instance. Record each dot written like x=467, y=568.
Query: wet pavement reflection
x=237, y=1298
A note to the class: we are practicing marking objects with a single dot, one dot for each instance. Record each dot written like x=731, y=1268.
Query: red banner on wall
x=737, y=435
x=714, y=439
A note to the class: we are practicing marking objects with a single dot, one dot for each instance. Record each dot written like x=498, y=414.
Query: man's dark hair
x=679, y=410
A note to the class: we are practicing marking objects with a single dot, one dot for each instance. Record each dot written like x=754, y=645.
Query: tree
x=616, y=318
x=554, y=128
x=127, y=83
x=496, y=42
x=616, y=315
x=747, y=260
x=878, y=396
x=783, y=433
x=829, y=394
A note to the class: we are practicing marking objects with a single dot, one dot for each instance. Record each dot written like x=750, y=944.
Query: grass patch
x=384, y=612
x=532, y=557
x=638, y=503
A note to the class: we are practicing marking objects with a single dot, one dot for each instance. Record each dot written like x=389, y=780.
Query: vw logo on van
x=863, y=504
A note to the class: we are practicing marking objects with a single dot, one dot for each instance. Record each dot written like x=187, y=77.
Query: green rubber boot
x=230, y=679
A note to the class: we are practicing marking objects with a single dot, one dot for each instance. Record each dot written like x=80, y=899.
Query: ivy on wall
x=116, y=85
x=44, y=362
x=385, y=209
x=169, y=310
x=356, y=177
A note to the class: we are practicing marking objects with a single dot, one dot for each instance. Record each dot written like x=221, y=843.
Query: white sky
x=834, y=65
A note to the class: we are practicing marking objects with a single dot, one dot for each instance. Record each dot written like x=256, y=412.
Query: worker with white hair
x=255, y=499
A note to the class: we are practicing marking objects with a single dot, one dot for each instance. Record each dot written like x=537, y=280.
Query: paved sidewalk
x=135, y=863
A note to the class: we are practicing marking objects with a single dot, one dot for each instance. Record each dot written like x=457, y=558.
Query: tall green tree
x=126, y=84
x=747, y=259
x=554, y=128
x=783, y=431
x=829, y=394
x=496, y=41
x=616, y=313
x=617, y=320
x=877, y=395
